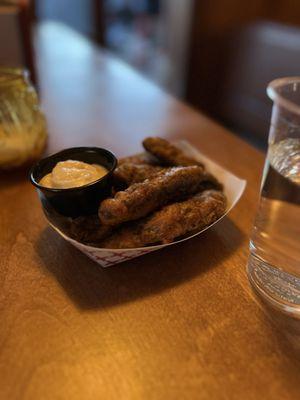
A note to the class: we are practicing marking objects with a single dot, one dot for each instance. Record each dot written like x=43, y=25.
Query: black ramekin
x=82, y=200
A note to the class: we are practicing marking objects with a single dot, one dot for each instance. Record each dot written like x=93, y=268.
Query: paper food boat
x=233, y=188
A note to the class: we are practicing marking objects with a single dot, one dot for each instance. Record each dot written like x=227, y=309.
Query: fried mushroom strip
x=167, y=153
x=126, y=237
x=181, y=218
x=128, y=173
x=142, y=198
x=88, y=230
x=171, y=222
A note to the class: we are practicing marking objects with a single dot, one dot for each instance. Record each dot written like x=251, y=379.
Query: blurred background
x=217, y=55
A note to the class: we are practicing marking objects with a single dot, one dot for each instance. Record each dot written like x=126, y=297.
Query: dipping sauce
x=71, y=174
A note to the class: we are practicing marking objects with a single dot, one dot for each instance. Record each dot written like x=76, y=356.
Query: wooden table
x=180, y=323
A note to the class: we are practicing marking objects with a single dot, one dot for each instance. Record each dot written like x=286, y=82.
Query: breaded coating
x=129, y=173
x=142, y=158
x=167, y=153
x=171, y=222
x=88, y=229
x=126, y=237
x=181, y=218
x=140, y=199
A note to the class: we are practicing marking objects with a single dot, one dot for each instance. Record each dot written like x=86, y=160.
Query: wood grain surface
x=180, y=323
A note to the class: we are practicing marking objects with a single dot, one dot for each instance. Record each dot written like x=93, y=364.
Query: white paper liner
x=233, y=189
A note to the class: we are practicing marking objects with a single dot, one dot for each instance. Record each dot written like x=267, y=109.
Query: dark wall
x=233, y=35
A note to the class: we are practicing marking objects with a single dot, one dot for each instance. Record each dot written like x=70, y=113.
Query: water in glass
x=274, y=264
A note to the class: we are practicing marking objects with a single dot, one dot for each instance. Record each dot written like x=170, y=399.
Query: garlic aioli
x=71, y=174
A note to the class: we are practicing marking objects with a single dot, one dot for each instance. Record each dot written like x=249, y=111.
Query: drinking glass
x=274, y=262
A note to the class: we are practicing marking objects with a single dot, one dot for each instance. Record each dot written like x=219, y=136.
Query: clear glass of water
x=274, y=262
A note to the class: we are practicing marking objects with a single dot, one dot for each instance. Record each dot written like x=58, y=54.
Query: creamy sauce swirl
x=72, y=173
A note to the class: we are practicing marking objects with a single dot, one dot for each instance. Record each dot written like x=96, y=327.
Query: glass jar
x=22, y=124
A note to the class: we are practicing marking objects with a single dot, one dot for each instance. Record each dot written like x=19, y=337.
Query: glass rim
x=278, y=98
